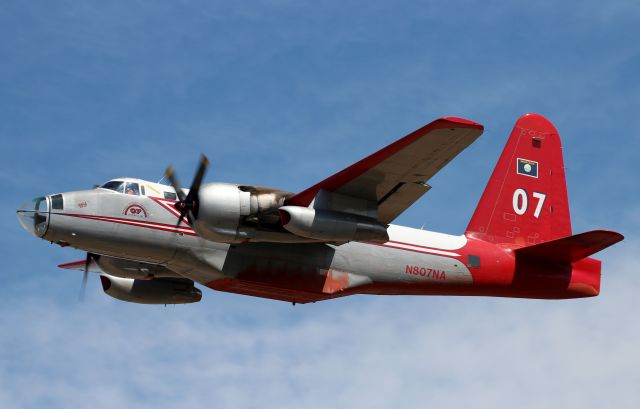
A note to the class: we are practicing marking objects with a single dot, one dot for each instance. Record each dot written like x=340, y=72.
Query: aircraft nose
x=33, y=215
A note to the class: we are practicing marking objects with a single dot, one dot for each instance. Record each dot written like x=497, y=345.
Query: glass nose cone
x=34, y=216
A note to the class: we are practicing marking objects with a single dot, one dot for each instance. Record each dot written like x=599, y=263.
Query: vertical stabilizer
x=525, y=201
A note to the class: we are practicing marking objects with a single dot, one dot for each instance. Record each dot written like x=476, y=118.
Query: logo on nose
x=135, y=210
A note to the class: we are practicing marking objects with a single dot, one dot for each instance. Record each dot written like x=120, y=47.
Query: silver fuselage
x=142, y=230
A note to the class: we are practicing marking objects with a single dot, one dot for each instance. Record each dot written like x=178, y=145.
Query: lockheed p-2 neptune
x=151, y=242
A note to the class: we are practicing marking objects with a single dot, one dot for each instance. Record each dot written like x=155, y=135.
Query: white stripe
x=421, y=249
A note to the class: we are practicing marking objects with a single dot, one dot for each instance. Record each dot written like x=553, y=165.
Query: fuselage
x=141, y=225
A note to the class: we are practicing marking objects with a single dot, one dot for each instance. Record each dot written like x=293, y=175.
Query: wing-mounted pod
x=327, y=225
x=156, y=291
x=335, y=217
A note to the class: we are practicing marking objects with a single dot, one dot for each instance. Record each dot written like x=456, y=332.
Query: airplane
x=152, y=242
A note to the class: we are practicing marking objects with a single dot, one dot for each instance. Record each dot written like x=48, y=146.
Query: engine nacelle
x=328, y=225
x=224, y=208
x=156, y=291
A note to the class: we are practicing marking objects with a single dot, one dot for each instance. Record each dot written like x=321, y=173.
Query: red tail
x=525, y=201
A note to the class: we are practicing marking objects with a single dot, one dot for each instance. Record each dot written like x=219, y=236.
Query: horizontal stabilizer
x=572, y=248
x=79, y=266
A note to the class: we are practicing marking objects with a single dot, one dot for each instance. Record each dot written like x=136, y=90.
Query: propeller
x=188, y=205
x=85, y=276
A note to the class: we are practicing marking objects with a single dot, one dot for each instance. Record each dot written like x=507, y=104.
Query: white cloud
x=239, y=352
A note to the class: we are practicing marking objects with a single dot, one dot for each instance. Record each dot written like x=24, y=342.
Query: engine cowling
x=328, y=225
x=228, y=213
x=156, y=291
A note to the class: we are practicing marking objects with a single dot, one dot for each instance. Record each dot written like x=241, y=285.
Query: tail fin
x=525, y=201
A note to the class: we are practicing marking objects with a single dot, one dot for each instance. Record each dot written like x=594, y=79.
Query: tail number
x=521, y=202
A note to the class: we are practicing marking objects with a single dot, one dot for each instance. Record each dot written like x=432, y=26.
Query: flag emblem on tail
x=527, y=167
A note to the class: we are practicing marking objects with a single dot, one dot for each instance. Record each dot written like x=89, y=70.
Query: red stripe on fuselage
x=137, y=223
x=168, y=205
x=191, y=232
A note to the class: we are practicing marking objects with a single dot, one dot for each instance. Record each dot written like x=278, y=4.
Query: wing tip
x=462, y=122
x=613, y=236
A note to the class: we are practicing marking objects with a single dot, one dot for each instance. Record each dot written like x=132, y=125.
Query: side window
x=57, y=202
x=132, y=189
x=170, y=196
x=142, y=190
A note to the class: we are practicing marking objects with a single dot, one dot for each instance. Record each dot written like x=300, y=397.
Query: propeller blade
x=197, y=179
x=85, y=276
x=188, y=205
x=185, y=214
x=181, y=218
x=170, y=174
x=83, y=288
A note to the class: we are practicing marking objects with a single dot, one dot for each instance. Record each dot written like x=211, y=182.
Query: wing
x=387, y=182
x=120, y=267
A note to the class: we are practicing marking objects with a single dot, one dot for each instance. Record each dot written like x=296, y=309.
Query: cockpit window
x=132, y=189
x=115, y=185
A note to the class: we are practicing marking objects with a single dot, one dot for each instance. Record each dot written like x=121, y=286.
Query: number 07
x=521, y=202
x=541, y=197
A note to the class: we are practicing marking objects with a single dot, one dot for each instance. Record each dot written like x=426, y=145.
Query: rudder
x=525, y=201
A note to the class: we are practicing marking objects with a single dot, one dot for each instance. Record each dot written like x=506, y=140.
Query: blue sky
x=282, y=94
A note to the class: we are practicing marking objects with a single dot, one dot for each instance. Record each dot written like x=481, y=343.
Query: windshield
x=115, y=185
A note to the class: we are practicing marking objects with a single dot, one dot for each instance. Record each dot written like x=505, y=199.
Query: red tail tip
x=537, y=123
